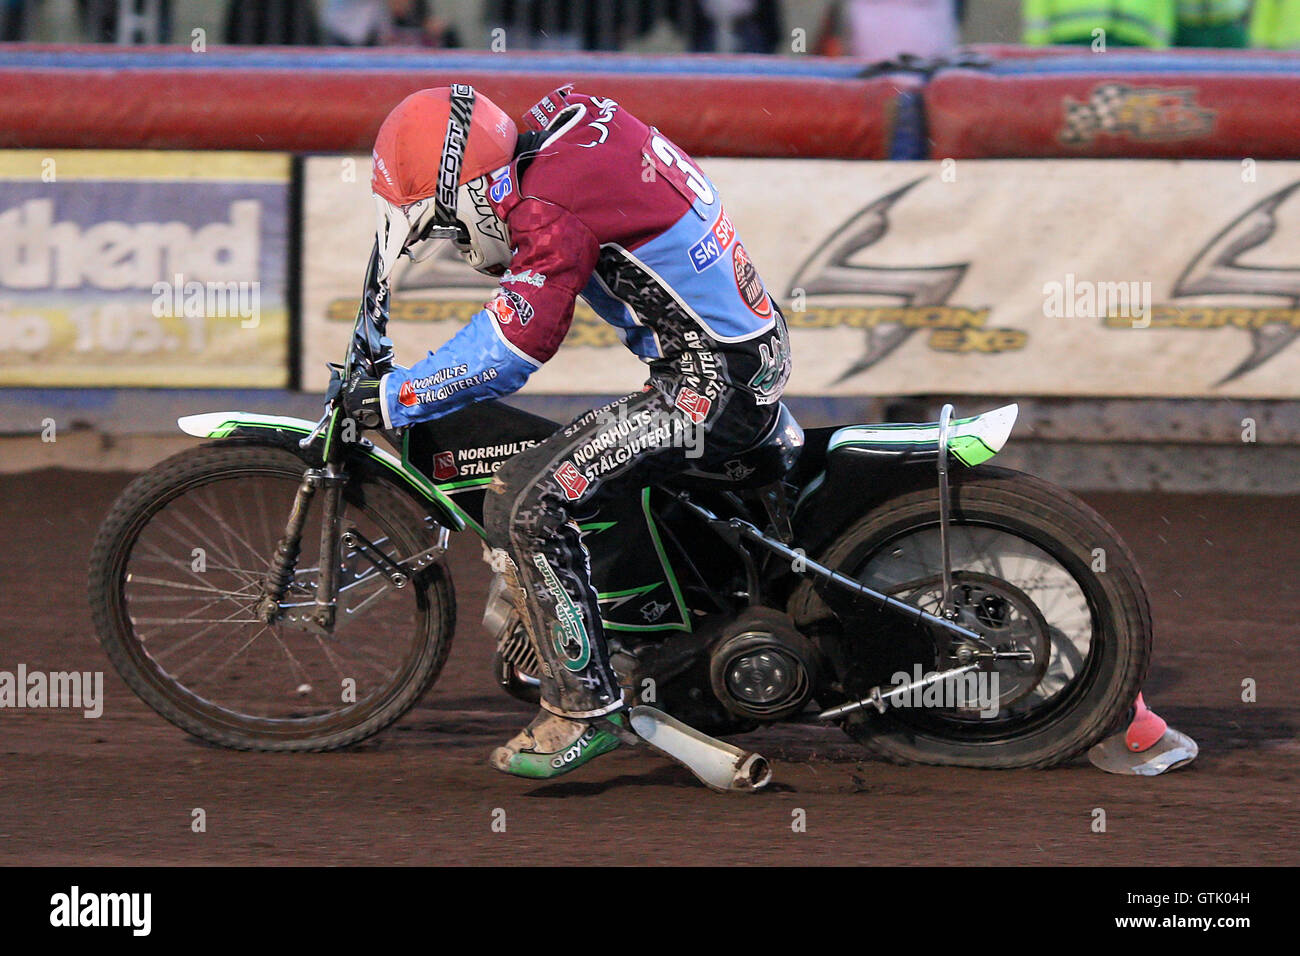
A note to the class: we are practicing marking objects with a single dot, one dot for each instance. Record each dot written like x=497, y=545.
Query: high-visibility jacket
x=1210, y=13
x=1275, y=24
x=1149, y=23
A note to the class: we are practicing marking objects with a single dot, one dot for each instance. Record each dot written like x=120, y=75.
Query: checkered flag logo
x=1149, y=113
x=1100, y=114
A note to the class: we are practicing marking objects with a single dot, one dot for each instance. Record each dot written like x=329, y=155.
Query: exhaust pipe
x=719, y=766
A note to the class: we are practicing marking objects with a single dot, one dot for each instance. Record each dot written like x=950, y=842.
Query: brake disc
x=1004, y=617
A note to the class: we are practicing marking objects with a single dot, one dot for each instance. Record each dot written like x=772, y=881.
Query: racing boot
x=552, y=745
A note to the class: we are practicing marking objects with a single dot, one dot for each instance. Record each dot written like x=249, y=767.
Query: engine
x=761, y=667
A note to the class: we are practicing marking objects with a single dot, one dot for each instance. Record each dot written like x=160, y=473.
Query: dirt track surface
x=120, y=790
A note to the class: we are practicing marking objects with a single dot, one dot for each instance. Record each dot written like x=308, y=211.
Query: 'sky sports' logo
x=715, y=242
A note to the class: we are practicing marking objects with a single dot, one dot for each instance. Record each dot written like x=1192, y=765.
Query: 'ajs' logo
x=601, y=123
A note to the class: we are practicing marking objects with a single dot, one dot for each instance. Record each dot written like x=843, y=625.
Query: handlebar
x=370, y=342
x=369, y=347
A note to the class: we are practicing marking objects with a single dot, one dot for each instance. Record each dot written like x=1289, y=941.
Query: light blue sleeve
x=475, y=365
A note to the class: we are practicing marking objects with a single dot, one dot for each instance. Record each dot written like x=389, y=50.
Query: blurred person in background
x=1157, y=24
x=272, y=22
x=415, y=24
x=12, y=20
x=1275, y=24
x=356, y=22
x=537, y=24
x=385, y=23
x=126, y=21
x=705, y=26
x=1212, y=23
x=1148, y=23
x=885, y=29
x=571, y=24
x=728, y=26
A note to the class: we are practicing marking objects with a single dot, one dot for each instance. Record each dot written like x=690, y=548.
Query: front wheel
x=175, y=582
x=1049, y=586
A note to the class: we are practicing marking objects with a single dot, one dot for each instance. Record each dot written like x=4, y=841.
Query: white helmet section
x=485, y=244
x=398, y=229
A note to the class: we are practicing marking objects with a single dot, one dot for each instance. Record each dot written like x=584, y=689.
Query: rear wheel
x=1050, y=588
x=175, y=578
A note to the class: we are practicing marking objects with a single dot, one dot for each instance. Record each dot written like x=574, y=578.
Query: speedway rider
x=586, y=201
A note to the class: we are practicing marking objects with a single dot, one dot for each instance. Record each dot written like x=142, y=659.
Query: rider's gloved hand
x=362, y=399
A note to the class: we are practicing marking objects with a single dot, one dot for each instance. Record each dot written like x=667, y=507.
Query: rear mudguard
x=865, y=464
x=287, y=432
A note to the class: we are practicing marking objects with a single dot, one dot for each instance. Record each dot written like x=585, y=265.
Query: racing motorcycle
x=282, y=588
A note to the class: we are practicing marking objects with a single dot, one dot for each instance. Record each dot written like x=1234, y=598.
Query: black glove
x=362, y=400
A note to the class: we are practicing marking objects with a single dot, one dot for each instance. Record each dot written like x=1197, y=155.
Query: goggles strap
x=453, y=155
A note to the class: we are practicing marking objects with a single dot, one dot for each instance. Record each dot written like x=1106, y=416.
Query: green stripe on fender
x=970, y=450
x=972, y=441
x=223, y=431
x=225, y=424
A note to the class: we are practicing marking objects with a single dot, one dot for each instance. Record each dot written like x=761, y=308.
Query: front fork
x=328, y=482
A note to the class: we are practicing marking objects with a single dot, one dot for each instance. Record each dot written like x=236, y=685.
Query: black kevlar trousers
x=619, y=449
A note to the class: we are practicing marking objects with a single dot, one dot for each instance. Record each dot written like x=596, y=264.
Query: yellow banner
x=143, y=268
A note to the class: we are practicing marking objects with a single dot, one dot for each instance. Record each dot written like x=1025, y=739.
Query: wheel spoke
x=910, y=568
x=196, y=537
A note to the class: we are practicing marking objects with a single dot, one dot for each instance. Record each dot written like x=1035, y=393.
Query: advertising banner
x=1037, y=278
x=138, y=268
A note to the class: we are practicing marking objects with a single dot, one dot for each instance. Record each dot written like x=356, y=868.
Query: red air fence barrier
x=1137, y=105
x=332, y=101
